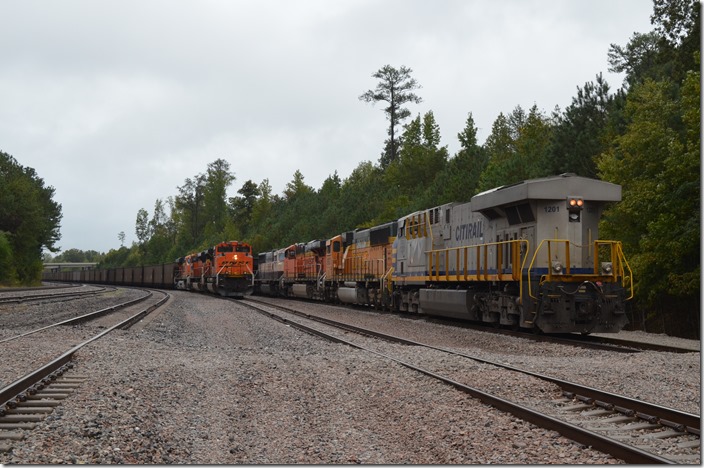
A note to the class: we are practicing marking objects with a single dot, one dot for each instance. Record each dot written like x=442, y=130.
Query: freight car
x=149, y=276
x=523, y=255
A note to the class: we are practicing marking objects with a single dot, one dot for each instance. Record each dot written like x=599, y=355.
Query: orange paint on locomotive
x=290, y=262
x=333, y=258
x=232, y=259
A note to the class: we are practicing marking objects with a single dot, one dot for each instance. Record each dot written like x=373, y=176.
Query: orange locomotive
x=225, y=269
x=297, y=270
x=353, y=267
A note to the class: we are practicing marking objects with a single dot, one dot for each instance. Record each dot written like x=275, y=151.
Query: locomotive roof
x=548, y=188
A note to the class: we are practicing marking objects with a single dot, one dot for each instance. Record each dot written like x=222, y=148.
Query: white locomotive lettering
x=469, y=231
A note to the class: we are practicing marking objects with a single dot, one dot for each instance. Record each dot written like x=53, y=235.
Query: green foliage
x=459, y=180
x=29, y=217
x=77, y=256
x=580, y=132
x=115, y=258
x=218, y=179
x=8, y=275
x=657, y=161
x=241, y=207
x=421, y=160
x=517, y=148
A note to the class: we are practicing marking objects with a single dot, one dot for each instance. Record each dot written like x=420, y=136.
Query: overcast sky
x=115, y=103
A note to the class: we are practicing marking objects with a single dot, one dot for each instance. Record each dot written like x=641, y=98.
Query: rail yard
x=204, y=379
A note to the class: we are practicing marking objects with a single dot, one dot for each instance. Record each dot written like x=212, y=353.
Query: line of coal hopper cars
x=526, y=255
x=226, y=269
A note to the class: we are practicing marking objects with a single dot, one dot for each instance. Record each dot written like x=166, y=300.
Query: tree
x=297, y=187
x=580, y=131
x=188, y=206
x=297, y=211
x=667, y=52
x=141, y=228
x=218, y=179
x=8, y=273
x=360, y=194
x=121, y=238
x=329, y=204
x=241, y=206
x=676, y=20
x=517, y=148
x=161, y=237
x=29, y=217
x=637, y=59
x=421, y=159
x=261, y=222
x=459, y=180
x=658, y=219
x=395, y=88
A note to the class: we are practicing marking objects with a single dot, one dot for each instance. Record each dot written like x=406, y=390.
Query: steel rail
x=636, y=344
x=15, y=389
x=82, y=318
x=39, y=297
x=618, y=449
x=679, y=420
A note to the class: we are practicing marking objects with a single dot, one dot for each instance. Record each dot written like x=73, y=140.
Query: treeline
x=644, y=136
x=29, y=221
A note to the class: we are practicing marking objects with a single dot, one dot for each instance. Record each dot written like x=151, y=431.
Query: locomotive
x=526, y=255
x=226, y=269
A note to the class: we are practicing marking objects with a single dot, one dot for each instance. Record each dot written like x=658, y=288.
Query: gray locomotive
x=525, y=255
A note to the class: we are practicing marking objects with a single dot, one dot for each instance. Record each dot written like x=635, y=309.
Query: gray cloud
x=116, y=103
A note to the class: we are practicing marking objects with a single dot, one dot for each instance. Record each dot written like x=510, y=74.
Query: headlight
x=556, y=267
x=607, y=268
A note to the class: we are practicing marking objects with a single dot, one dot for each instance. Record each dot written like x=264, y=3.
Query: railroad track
x=636, y=344
x=628, y=429
x=601, y=343
x=82, y=318
x=54, y=296
x=29, y=399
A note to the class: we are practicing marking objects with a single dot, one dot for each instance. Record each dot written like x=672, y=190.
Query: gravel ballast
x=207, y=381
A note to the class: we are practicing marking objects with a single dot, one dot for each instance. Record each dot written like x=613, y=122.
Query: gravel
x=207, y=381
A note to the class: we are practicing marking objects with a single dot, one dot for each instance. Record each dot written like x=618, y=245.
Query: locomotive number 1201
x=552, y=209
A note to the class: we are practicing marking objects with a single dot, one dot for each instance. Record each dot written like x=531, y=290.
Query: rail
x=614, y=256
x=488, y=262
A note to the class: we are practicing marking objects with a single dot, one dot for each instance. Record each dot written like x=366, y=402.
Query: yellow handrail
x=482, y=262
x=616, y=257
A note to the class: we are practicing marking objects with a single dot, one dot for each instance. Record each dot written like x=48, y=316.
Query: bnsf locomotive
x=226, y=269
x=525, y=255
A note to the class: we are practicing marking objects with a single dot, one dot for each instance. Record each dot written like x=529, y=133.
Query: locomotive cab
x=570, y=279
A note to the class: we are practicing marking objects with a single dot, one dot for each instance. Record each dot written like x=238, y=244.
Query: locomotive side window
x=447, y=216
x=336, y=246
